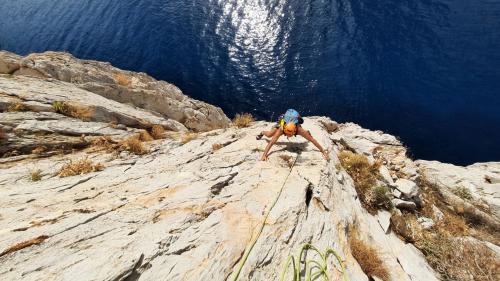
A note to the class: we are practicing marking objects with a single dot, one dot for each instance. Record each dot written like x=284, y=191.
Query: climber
x=290, y=125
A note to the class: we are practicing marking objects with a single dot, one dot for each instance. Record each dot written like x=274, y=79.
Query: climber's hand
x=325, y=154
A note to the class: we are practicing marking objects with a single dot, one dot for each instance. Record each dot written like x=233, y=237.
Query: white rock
x=426, y=223
x=386, y=175
x=437, y=213
x=408, y=188
x=384, y=219
x=402, y=204
x=396, y=193
x=137, y=89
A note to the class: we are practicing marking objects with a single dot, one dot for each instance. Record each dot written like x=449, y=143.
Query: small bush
x=18, y=106
x=35, y=175
x=60, y=107
x=122, y=79
x=242, y=120
x=217, y=146
x=157, y=131
x=381, y=196
x=134, y=145
x=79, y=167
x=462, y=192
x=368, y=258
x=188, y=137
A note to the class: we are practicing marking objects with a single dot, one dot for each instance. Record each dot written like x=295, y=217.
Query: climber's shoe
x=259, y=136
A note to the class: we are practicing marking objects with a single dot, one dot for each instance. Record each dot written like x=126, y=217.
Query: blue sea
x=427, y=71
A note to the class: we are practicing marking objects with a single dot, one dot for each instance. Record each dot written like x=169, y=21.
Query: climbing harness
x=322, y=267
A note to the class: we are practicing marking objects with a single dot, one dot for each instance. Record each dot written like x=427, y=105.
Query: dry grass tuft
x=243, y=120
x=217, y=146
x=134, y=145
x=364, y=176
x=79, y=167
x=145, y=136
x=24, y=244
x=84, y=113
x=367, y=257
x=287, y=159
x=35, y=175
x=188, y=137
x=122, y=79
x=39, y=149
x=17, y=106
x=158, y=132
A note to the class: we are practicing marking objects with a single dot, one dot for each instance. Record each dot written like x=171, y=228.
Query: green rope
x=249, y=249
x=322, y=267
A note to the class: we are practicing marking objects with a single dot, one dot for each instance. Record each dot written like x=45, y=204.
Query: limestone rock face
x=187, y=212
x=9, y=62
x=138, y=89
x=480, y=180
x=189, y=206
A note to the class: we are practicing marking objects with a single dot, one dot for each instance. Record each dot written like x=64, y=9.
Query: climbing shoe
x=259, y=136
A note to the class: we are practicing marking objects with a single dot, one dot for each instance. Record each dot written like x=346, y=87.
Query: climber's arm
x=307, y=135
x=274, y=139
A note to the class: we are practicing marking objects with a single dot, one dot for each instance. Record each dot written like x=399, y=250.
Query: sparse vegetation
x=217, y=146
x=134, y=145
x=104, y=142
x=35, y=175
x=462, y=192
x=122, y=79
x=145, y=136
x=188, y=137
x=448, y=246
x=79, y=167
x=17, y=106
x=287, y=159
x=24, y=244
x=60, y=107
x=365, y=177
x=83, y=113
x=367, y=257
x=243, y=120
x=459, y=258
x=80, y=112
x=381, y=196
x=157, y=132
x=3, y=135
x=39, y=149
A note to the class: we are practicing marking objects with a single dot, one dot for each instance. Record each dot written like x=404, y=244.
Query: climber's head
x=290, y=129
